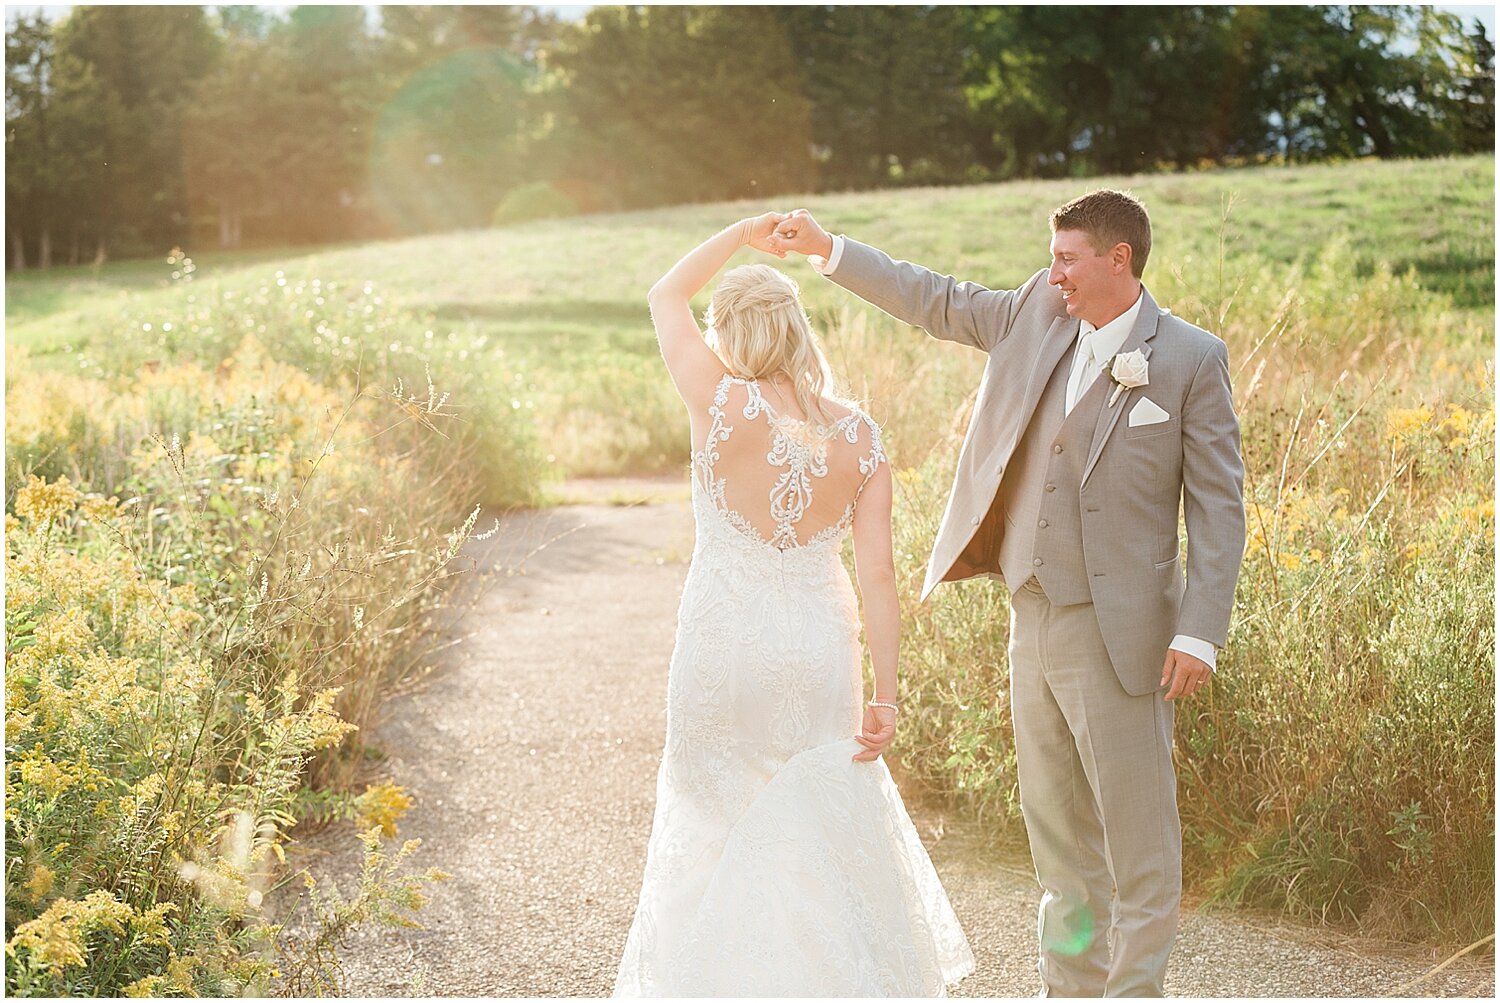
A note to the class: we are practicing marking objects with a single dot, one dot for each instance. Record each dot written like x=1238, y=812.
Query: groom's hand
x=801, y=233
x=1186, y=674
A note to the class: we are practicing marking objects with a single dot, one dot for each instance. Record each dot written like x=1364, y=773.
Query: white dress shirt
x=826, y=265
x=1088, y=356
x=1096, y=346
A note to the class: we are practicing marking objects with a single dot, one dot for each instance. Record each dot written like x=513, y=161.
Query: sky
x=1484, y=13
x=568, y=12
x=572, y=12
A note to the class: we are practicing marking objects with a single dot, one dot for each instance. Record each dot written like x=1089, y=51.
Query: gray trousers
x=1099, y=796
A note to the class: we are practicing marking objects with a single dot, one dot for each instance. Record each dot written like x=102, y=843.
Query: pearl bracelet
x=881, y=703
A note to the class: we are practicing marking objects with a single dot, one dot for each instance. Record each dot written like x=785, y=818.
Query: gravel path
x=532, y=760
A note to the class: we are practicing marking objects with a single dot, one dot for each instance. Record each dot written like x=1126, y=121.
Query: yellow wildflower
x=100, y=509
x=201, y=446
x=42, y=502
x=323, y=722
x=57, y=937
x=144, y=987
x=1459, y=420
x=1403, y=424
x=180, y=974
x=40, y=882
x=64, y=632
x=1477, y=515
x=381, y=804
x=106, y=688
x=38, y=771
x=152, y=924
x=1290, y=561
x=148, y=788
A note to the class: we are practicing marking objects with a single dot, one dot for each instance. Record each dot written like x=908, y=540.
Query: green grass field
x=591, y=274
x=560, y=306
x=1342, y=766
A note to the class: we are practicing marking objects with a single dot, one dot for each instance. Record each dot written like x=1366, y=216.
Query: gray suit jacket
x=1133, y=478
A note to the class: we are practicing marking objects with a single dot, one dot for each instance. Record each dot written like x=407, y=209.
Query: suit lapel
x=1140, y=338
x=1061, y=336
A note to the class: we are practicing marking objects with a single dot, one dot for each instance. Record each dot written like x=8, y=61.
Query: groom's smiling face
x=1089, y=281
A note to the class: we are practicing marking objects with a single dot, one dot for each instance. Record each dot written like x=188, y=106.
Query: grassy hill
x=1436, y=216
x=559, y=307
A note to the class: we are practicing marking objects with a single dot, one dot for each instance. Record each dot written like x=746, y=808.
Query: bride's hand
x=878, y=730
x=760, y=230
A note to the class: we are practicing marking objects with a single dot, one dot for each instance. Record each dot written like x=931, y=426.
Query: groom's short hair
x=1109, y=218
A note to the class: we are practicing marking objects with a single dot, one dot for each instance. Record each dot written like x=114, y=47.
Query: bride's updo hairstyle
x=758, y=329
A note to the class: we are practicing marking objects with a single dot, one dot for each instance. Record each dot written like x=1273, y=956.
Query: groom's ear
x=1119, y=257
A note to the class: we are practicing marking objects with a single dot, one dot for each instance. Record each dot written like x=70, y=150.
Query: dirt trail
x=533, y=757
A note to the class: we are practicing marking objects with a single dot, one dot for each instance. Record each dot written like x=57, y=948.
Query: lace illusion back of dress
x=784, y=480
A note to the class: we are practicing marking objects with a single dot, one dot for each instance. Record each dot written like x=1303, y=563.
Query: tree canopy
x=131, y=129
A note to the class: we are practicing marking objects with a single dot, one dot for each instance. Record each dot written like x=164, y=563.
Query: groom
x=1097, y=412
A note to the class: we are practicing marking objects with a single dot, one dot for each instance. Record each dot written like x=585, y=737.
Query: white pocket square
x=1146, y=412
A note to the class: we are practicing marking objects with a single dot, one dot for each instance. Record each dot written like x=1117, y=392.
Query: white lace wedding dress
x=777, y=866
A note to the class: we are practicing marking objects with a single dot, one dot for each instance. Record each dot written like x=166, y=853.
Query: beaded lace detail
x=799, y=446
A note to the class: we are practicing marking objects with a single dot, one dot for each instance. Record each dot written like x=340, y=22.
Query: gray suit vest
x=1043, y=533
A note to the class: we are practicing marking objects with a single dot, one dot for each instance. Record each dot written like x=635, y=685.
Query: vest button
x=1043, y=524
x=1037, y=561
x=1051, y=487
x=1057, y=449
x=975, y=520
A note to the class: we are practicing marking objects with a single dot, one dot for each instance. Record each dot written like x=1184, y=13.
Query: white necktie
x=1085, y=368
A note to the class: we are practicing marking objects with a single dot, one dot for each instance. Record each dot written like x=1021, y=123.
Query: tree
x=233, y=155
x=28, y=66
x=144, y=64
x=882, y=86
x=1360, y=80
x=1084, y=90
x=683, y=104
x=458, y=130
x=56, y=115
x=1475, y=95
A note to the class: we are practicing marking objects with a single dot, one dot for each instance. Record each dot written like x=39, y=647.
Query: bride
x=781, y=861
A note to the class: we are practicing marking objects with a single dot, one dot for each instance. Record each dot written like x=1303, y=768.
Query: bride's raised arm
x=695, y=369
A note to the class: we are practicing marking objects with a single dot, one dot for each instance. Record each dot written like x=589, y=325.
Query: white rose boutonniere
x=1127, y=370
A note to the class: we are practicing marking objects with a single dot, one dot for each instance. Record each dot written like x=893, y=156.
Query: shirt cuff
x=1200, y=649
x=825, y=266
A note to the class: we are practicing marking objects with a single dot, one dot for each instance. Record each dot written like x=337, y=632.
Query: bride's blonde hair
x=757, y=327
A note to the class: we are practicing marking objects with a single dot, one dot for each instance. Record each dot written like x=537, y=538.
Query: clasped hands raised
x=780, y=232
